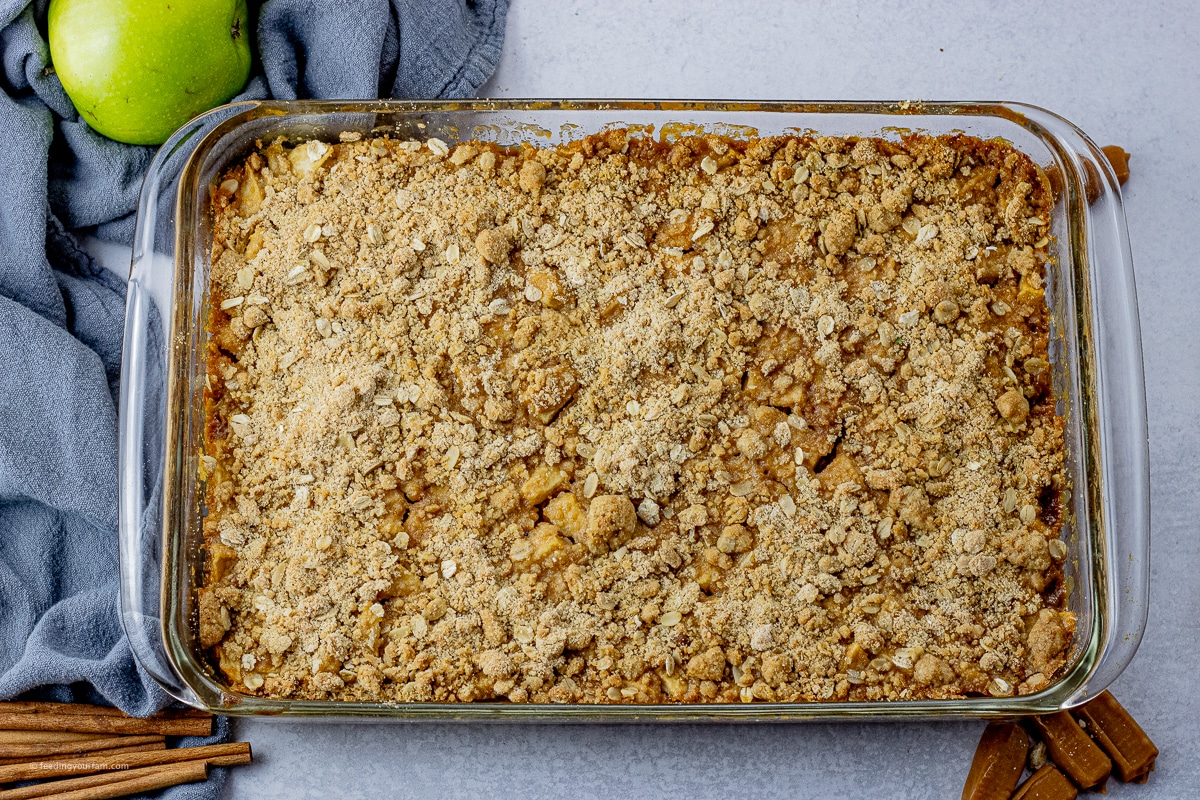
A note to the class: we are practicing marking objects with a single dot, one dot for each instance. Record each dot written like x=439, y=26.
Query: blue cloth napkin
x=61, y=314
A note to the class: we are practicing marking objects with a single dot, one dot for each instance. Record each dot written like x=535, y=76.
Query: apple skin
x=136, y=70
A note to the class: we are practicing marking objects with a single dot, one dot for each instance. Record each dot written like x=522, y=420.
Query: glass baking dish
x=1095, y=349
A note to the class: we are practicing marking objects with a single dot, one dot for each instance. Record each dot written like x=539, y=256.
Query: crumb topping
x=628, y=421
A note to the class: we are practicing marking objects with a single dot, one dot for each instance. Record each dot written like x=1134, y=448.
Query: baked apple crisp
x=631, y=421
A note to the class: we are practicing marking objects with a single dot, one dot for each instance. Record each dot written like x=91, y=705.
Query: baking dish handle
x=140, y=515
x=142, y=459
x=1123, y=431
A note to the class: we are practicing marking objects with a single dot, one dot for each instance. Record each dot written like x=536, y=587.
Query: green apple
x=138, y=69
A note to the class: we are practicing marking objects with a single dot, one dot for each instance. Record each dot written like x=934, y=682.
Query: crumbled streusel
x=626, y=421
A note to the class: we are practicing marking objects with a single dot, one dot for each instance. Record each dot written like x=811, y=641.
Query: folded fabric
x=61, y=314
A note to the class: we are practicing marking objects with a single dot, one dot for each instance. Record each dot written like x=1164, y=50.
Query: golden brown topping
x=735, y=539
x=610, y=521
x=839, y=232
x=494, y=663
x=1013, y=406
x=1047, y=639
x=533, y=175
x=211, y=612
x=707, y=666
x=932, y=671
x=946, y=312
x=720, y=421
x=493, y=244
x=744, y=227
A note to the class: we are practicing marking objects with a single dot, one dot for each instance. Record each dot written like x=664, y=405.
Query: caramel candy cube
x=1046, y=784
x=1119, y=160
x=1073, y=750
x=1117, y=733
x=998, y=763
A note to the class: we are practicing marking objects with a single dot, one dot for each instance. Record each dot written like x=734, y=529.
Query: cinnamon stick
x=217, y=755
x=114, y=784
x=99, y=719
x=137, y=748
x=40, y=749
x=46, y=707
x=31, y=737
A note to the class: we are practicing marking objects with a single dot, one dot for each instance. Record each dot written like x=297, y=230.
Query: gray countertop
x=1128, y=74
